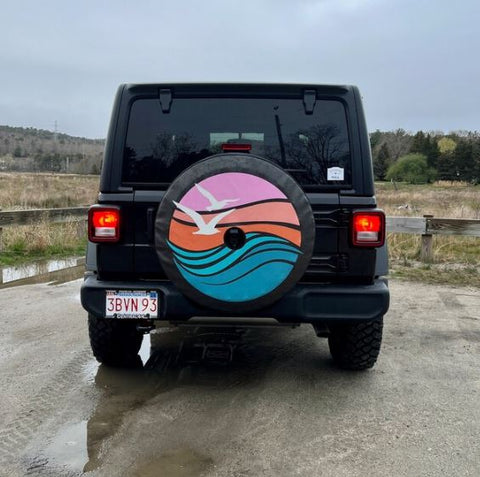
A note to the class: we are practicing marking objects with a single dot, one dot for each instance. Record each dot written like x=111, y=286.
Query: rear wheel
x=356, y=346
x=114, y=343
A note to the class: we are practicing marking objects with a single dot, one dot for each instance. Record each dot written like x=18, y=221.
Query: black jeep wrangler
x=237, y=204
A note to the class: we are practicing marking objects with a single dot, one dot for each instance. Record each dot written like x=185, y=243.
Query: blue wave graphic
x=256, y=269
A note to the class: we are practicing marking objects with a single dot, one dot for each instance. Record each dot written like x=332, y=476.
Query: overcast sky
x=416, y=61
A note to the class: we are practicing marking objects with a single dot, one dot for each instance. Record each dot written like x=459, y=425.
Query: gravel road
x=267, y=402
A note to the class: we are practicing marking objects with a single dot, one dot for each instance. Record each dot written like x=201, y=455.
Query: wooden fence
x=426, y=226
x=31, y=216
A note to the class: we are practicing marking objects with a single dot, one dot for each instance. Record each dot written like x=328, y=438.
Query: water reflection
x=197, y=360
x=220, y=358
x=68, y=446
x=59, y=270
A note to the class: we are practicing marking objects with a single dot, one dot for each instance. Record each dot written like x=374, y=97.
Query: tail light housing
x=104, y=224
x=368, y=228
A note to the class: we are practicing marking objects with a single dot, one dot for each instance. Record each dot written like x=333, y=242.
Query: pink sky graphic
x=232, y=185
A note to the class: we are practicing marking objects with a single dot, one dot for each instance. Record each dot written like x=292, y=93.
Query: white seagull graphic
x=214, y=203
x=203, y=227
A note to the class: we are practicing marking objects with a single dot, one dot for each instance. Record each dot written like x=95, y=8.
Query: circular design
x=234, y=232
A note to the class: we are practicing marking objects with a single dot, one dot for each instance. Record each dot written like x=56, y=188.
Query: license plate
x=131, y=304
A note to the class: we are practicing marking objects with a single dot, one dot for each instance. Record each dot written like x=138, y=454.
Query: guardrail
x=426, y=226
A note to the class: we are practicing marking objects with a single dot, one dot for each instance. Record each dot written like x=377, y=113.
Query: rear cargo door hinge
x=151, y=224
x=165, y=99
x=344, y=216
x=342, y=263
x=309, y=100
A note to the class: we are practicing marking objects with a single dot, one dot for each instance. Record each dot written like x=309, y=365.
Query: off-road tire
x=114, y=343
x=356, y=346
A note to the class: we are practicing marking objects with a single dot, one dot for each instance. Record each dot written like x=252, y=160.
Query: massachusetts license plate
x=131, y=304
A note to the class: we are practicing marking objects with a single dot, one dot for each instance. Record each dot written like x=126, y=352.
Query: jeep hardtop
x=237, y=204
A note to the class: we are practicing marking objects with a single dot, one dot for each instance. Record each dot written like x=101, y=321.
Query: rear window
x=313, y=148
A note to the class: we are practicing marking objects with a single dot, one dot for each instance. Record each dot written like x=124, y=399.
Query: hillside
x=38, y=150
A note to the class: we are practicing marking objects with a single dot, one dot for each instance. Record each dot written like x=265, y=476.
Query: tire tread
x=114, y=343
x=356, y=346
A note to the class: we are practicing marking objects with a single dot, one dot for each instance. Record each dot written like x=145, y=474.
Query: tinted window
x=160, y=145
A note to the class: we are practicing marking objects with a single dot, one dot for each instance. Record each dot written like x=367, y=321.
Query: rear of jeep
x=237, y=205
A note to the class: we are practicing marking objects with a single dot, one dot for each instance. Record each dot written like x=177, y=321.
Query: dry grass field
x=456, y=259
x=442, y=199
x=43, y=240
x=42, y=190
x=38, y=191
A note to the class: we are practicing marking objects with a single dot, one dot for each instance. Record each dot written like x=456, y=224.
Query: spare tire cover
x=234, y=232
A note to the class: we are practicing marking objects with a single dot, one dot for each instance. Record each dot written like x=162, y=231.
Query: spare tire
x=234, y=232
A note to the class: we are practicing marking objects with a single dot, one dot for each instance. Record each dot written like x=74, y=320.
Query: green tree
x=48, y=162
x=419, y=143
x=427, y=145
x=375, y=138
x=381, y=162
x=463, y=157
x=446, y=169
x=446, y=163
x=432, y=152
x=17, y=152
x=412, y=168
x=475, y=174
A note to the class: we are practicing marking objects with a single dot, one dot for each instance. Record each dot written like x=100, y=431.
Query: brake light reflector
x=103, y=224
x=368, y=229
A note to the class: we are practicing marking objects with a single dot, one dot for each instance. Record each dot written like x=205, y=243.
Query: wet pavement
x=216, y=402
x=208, y=359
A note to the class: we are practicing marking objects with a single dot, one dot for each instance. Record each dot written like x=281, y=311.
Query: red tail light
x=231, y=147
x=368, y=229
x=103, y=224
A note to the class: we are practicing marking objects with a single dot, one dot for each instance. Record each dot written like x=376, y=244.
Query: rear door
x=308, y=135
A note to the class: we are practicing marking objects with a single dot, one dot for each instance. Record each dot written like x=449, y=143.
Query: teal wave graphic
x=256, y=269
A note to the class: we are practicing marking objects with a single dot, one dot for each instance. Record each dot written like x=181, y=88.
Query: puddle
x=68, y=446
x=65, y=453
x=76, y=449
x=145, y=349
x=56, y=271
x=90, y=370
x=169, y=358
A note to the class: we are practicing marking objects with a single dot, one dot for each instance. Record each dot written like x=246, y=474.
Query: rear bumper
x=305, y=303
